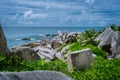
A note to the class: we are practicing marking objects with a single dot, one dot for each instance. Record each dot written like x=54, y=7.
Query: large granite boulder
x=34, y=75
x=80, y=60
x=3, y=43
x=110, y=42
x=25, y=53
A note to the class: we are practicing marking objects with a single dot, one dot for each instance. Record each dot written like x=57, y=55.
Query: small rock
x=25, y=38
x=59, y=55
x=48, y=35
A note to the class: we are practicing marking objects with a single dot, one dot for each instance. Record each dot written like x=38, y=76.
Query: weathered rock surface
x=32, y=44
x=47, y=49
x=110, y=42
x=64, y=37
x=26, y=53
x=80, y=59
x=61, y=54
x=56, y=43
x=45, y=52
x=3, y=43
x=34, y=75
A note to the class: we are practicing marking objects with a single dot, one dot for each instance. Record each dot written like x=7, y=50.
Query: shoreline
x=33, y=32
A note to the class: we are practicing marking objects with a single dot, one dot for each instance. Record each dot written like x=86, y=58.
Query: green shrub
x=88, y=37
x=102, y=69
x=63, y=45
x=74, y=46
x=114, y=27
x=2, y=58
x=98, y=51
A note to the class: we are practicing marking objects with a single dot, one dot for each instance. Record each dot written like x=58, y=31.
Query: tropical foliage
x=114, y=27
x=98, y=51
x=88, y=37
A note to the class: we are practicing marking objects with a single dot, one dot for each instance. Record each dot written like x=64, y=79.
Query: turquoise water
x=15, y=34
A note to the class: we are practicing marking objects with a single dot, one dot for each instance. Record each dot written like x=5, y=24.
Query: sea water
x=14, y=35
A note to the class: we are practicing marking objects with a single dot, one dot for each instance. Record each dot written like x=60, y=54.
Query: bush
x=63, y=45
x=98, y=51
x=102, y=69
x=114, y=27
x=88, y=37
x=74, y=46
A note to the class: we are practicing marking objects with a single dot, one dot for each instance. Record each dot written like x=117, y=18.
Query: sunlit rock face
x=3, y=43
x=80, y=60
x=110, y=42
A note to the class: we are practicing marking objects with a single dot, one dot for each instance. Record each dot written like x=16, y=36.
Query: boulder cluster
x=45, y=49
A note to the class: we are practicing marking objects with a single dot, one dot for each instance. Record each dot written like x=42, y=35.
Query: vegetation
x=114, y=27
x=98, y=51
x=102, y=69
x=88, y=37
x=63, y=45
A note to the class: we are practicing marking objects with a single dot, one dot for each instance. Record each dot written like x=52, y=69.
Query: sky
x=59, y=12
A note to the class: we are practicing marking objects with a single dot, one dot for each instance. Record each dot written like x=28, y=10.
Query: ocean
x=14, y=35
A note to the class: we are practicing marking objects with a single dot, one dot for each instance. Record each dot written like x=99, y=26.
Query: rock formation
x=3, y=43
x=34, y=75
x=47, y=49
x=25, y=38
x=62, y=54
x=110, y=42
x=80, y=60
x=45, y=52
x=25, y=53
x=64, y=37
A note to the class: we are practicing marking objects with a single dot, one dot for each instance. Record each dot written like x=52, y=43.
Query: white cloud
x=30, y=15
x=89, y=1
x=15, y=16
x=48, y=4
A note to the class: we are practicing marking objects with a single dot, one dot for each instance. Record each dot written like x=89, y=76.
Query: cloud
x=30, y=15
x=59, y=12
x=89, y=1
x=47, y=4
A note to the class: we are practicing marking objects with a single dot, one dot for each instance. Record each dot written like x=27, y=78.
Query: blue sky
x=59, y=12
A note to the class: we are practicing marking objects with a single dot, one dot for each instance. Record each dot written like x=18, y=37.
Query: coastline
x=56, y=54
x=15, y=34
